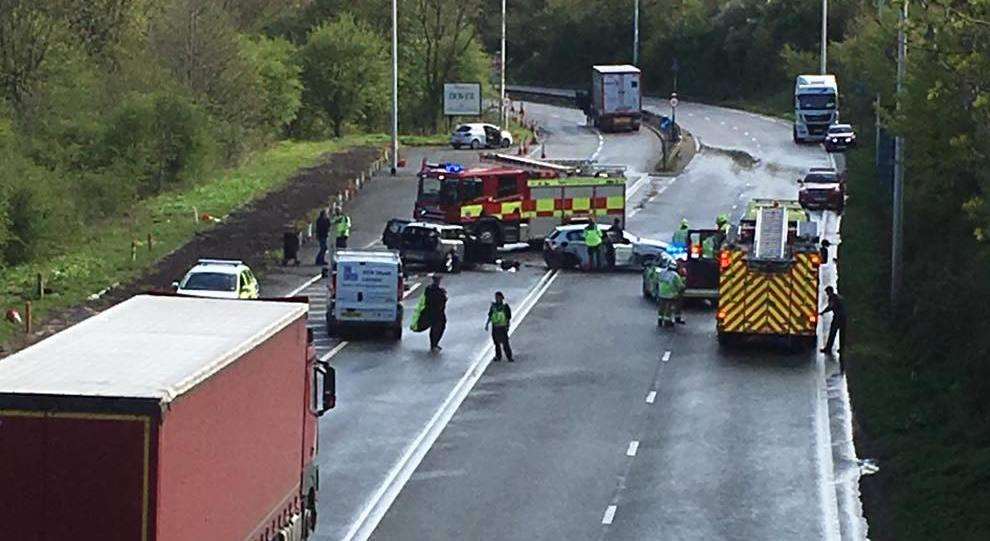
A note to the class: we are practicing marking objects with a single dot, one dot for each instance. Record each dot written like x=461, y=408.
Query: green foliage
x=279, y=78
x=344, y=68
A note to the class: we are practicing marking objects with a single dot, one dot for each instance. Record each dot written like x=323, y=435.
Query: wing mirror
x=175, y=286
x=329, y=391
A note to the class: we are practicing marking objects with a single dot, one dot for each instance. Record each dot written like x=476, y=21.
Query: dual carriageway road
x=605, y=427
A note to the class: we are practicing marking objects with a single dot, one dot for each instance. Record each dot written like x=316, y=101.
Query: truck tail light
x=695, y=251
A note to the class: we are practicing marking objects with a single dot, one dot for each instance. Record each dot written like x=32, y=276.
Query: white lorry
x=365, y=290
x=616, y=101
x=816, y=107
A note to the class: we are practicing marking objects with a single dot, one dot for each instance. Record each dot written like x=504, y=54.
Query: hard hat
x=722, y=219
x=672, y=265
x=684, y=222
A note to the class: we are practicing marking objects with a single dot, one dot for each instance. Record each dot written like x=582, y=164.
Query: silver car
x=478, y=135
x=437, y=246
x=565, y=248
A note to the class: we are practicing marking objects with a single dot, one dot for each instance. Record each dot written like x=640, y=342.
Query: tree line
x=104, y=102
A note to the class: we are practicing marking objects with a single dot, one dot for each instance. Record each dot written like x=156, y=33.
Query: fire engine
x=503, y=205
x=768, y=275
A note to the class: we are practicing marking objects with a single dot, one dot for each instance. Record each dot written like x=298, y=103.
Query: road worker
x=593, y=241
x=680, y=237
x=671, y=287
x=342, y=227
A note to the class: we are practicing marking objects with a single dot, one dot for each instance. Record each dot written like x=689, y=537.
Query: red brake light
x=723, y=260
x=722, y=314
x=816, y=259
x=813, y=317
x=695, y=250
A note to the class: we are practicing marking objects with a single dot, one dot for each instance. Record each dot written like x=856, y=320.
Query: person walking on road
x=593, y=241
x=823, y=251
x=322, y=234
x=342, y=223
x=670, y=285
x=838, y=326
x=499, y=317
x=436, y=309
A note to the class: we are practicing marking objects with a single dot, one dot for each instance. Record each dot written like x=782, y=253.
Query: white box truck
x=365, y=290
x=616, y=101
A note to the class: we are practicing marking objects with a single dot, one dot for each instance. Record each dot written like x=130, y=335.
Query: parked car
x=839, y=138
x=219, y=279
x=564, y=248
x=822, y=189
x=437, y=246
x=478, y=135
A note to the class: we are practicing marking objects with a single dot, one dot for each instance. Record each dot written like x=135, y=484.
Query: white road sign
x=462, y=99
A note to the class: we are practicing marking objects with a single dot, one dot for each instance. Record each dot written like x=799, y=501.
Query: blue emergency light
x=451, y=167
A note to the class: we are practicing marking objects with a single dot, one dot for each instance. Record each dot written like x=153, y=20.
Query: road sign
x=665, y=123
x=673, y=101
x=462, y=99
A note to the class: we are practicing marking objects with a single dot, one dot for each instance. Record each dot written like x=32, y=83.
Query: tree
x=27, y=30
x=344, y=69
x=278, y=78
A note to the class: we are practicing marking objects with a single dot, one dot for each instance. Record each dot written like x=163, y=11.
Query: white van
x=365, y=290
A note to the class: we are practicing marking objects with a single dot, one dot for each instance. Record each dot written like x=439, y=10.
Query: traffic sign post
x=673, y=116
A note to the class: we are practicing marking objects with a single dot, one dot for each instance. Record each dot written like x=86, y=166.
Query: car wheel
x=506, y=143
x=456, y=147
x=552, y=260
x=571, y=261
x=488, y=234
x=475, y=144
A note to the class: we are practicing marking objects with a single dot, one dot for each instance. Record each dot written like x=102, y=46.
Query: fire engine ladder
x=771, y=233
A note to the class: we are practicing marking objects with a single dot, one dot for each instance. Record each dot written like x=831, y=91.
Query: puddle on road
x=740, y=158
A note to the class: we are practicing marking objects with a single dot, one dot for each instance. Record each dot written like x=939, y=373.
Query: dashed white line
x=651, y=398
x=411, y=289
x=633, y=448
x=306, y=284
x=601, y=143
x=609, y=515
x=336, y=349
x=666, y=356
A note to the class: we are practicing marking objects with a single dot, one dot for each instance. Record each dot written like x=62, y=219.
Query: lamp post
x=502, y=111
x=395, y=86
x=897, y=248
x=636, y=33
x=824, y=54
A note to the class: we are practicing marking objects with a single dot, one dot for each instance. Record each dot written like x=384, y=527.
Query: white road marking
x=666, y=356
x=637, y=185
x=650, y=398
x=372, y=243
x=412, y=288
x=735, y=128
x=722, y=123
x=306, y=284
x=633, y=447
x=609, y=515
x=708, y=118
x=378, y=504
x=746, y=134
x=601, y=143
x=336, y=349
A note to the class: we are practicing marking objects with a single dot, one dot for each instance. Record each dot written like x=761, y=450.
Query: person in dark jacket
x=436, y=309
x=499, y=317
x=290, y=246
x=838, y=326
x=823, y=251
x=322, y=234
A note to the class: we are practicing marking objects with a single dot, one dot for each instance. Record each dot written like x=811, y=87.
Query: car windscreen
x=840, y=130
x=817, y=101
x=419, y=238
x=210, y=281
x=818, y=178
x=431, y=188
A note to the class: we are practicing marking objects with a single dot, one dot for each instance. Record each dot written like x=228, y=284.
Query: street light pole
x=824, y=67
x=395, y=86
x=636, y=33
x=502, y=112
x=897, y=249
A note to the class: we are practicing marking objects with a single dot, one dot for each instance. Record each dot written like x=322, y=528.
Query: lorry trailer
x=616, y=98
x=164, y=418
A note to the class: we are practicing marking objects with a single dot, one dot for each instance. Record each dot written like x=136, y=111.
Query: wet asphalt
x=608, y=428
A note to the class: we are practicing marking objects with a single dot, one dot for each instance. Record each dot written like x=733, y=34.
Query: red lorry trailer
x=163, y=418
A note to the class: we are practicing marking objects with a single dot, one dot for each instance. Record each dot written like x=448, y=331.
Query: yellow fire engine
x=768, y=279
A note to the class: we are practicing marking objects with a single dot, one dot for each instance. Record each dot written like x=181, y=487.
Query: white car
x=219, y=279
x=478, y=135
x=565, y=248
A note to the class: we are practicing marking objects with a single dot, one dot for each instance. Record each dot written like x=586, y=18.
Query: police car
x=219, y=279
x=564, y=248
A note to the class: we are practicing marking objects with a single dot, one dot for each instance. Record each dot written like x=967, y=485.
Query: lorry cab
x=365, y=290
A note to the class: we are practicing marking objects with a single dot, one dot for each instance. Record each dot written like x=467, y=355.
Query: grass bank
x=101, y=255
x=931, y=484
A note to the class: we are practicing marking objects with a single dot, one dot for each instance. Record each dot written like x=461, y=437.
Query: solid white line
x=609, y=515
x=372, y=243
x=650, y=398
x=308, y=283
x=601, y=143
x=336, y=349
x=636, y=186
x=412, y=288
x=633, y=447
x=376, y=506
x=666, y=356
